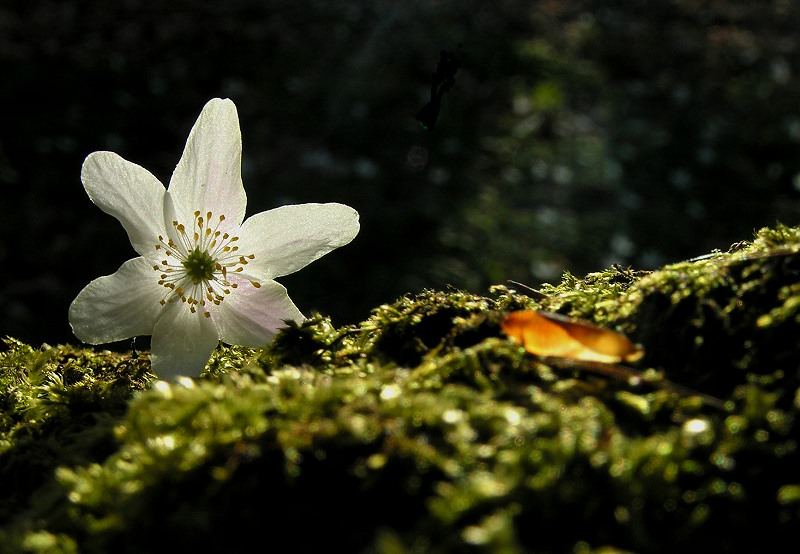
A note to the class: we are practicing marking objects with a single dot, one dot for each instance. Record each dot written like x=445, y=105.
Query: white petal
x=172, y=213
x=209, y=174
x=128, y=192
x=290, y=237
x=119, y=306
x=251, y=316
x=182, y=342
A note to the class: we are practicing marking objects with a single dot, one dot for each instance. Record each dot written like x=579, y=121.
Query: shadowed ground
x=424, y=429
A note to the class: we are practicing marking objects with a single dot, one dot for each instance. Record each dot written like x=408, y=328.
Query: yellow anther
x=256, y=284
x=214, y=247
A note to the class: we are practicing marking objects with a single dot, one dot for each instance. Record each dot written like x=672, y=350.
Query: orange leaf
x=548, y=334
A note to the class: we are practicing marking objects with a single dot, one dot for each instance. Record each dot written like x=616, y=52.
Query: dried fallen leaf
x=549, y=334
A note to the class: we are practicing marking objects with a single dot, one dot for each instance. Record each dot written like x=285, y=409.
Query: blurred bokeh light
x=578, y=134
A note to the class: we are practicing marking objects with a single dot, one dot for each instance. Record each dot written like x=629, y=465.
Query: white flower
x=202, y=275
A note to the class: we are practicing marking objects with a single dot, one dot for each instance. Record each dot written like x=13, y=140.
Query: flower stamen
x=195, y=269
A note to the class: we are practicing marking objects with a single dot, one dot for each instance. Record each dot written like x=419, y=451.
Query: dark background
x=577, y=134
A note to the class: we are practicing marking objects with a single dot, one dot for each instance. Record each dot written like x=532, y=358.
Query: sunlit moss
x=423, y=429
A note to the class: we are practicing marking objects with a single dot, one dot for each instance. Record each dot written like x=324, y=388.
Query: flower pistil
x=196, y=266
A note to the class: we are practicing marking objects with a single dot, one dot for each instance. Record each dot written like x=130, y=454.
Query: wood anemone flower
x=204, y=274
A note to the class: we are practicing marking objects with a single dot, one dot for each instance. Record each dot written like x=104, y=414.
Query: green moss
x=424, y=429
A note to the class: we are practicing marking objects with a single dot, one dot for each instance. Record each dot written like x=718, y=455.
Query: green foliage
x=423, y=429
x=59, y=405
x=632, y=135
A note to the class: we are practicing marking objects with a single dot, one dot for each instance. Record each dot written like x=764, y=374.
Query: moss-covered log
x=424, y=429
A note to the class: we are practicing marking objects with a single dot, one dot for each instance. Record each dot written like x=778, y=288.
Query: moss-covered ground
x=424, y=429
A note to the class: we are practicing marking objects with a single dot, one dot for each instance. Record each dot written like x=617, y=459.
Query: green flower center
x=199, y=266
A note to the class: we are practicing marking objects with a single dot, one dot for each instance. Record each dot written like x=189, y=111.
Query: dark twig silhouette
x=442, y=80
